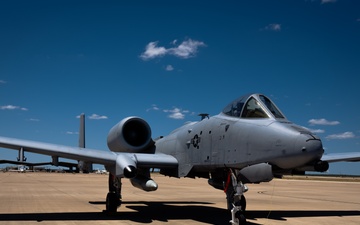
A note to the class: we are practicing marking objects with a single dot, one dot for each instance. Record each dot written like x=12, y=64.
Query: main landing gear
x=234, y=190
x=113, y=198
x=236, y=201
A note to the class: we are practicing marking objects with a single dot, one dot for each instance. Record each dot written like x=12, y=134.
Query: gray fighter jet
x=250, y=141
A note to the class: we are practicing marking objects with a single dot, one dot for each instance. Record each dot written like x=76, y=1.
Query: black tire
x=243, y=203
x=242, y=219
x=112, y=202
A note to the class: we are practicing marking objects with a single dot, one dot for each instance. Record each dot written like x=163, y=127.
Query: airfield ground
x=53, y=198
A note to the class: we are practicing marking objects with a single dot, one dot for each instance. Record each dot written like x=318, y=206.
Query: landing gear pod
x=125, y=166
x=144, y=183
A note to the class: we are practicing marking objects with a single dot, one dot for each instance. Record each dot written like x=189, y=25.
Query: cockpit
x=253, y=106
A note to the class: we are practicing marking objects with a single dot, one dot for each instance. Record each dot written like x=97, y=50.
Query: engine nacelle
x=131, y=134
x=256, y=173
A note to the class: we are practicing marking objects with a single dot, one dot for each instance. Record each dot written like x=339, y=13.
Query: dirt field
x=51, y=198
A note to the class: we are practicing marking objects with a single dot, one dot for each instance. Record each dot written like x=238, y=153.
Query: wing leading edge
x=342, y=157
x=107, y=158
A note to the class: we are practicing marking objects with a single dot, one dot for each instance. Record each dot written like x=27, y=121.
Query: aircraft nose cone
x=310, y=146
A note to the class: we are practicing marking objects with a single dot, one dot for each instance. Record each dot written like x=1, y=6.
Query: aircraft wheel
x=243, y=203
x=242, y=219
x=112, y=202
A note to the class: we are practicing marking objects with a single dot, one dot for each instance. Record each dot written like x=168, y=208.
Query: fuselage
x=236, y=142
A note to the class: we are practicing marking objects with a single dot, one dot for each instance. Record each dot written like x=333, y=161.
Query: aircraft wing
x=117, y=160
x=65, y=164
x=338, y=157
x=24, y=163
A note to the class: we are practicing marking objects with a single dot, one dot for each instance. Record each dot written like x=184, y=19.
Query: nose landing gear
x=237, y=216
x=234, y=190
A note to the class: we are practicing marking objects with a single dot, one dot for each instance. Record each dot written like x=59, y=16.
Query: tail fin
x=84, y=167
x=82, y=131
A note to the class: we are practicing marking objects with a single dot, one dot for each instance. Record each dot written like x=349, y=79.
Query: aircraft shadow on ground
x=148, y=212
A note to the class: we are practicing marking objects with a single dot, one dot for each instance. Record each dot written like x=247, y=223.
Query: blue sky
x=167, y=61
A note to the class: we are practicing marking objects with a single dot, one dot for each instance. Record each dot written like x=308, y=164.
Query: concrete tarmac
x=52, y=198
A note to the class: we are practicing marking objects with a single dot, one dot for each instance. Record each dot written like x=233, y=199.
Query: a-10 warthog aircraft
x=250, y=141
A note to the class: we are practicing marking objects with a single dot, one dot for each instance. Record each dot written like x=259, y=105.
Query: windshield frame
x=271, y=107
x=237, y=108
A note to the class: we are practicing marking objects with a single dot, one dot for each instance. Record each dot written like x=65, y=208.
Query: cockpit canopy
x=253, y=106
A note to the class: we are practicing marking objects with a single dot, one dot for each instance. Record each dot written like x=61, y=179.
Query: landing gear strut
x=234, y=190
x=113, y=198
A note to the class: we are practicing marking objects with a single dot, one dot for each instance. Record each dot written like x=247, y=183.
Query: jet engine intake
x=131, y=134
x=256, y=173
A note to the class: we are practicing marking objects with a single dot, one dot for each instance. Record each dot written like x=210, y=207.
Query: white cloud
x=2, y=82
x=273, y=27
x=185, y=50
x=153, y=108
x=323, y=121
x=327, y=1
x=13, y=107
x=152, y=51
x=9, y=107
x=34, y=120
x=345, y=135
x=317, y=131
x=97, y=117
x=169, y=68
x=176, y=114
x=71, y=132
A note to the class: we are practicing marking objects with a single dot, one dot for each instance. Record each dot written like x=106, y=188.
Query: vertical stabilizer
x=82, y=131
x=84, y=167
